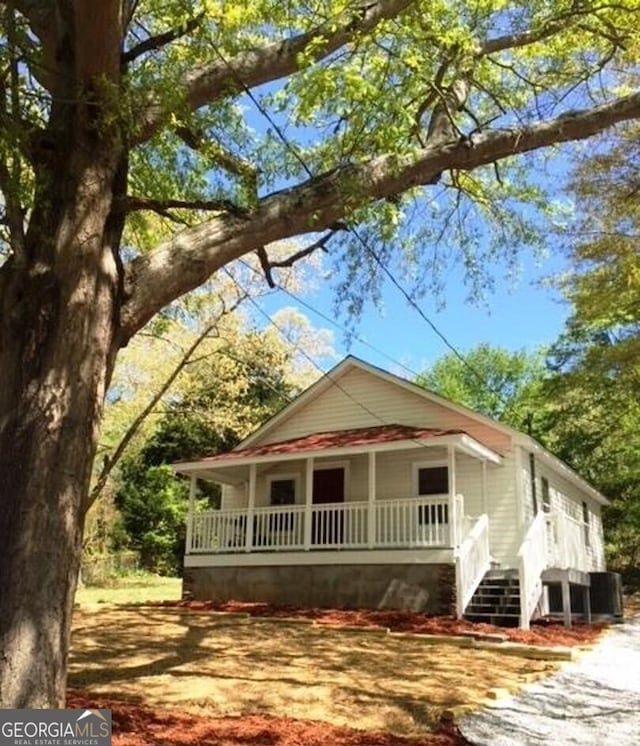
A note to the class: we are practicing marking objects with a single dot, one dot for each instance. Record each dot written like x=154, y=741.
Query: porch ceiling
x=231, y=467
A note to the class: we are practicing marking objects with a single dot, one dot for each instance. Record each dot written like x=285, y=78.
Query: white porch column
x=192, y=498
x=485, y=500
x=371, y=506
x=308, y=504
x=453, y=518
x=251, y=507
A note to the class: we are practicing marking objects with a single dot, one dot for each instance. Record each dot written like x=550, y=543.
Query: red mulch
x=541, y=632
x=136, y=725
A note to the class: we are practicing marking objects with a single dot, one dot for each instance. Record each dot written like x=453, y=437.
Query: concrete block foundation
x=328, y=586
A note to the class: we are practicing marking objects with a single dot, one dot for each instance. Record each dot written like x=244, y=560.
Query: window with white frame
x=432, y=480
x=585, y=521
x=546, y=495
x=282, y=490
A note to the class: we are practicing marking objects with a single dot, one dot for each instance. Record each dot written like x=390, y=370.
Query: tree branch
x=207, y=83
x=267, y=265
x=13, y=212
x=133, y=204
x=110, y=462
x=321, y=244
x=223, y=157
x=524, y=39
x=186, y=260
x=550, y=28
x=161, y=40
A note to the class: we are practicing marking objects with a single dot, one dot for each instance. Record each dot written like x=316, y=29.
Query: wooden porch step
x=497, y=599
x=492, y=609
x=496, y=574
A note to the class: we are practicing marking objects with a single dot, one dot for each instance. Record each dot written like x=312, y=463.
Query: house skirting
x=339, y=586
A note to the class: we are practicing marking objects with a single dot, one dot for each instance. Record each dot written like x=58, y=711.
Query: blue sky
x=521, y=314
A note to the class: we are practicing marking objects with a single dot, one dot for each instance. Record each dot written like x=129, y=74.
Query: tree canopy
x=594, y=394
x=234, y=117
x=490, y=380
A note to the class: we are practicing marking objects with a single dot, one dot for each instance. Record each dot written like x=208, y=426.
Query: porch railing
x=532, y=558
x=411, y=522
x=568, y=546
x=473, y=560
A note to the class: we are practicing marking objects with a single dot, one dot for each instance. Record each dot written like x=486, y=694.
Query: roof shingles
x=362, y=436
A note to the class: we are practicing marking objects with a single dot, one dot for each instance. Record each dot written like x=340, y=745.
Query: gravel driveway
x=592, y=701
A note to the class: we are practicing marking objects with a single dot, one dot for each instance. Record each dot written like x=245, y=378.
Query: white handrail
x=400, y=523
x=532, y=557
x=473, y=560
x=339, y=525
x=412, y=522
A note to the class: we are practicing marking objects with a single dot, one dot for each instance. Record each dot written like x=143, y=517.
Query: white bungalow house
x=365, y=479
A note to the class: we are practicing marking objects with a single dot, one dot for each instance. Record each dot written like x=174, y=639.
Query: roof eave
x=462, y=441
x=560, y=467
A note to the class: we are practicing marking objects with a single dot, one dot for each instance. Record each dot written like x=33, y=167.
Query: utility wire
x=334, y=323
x=305, y=354
x=413, y=304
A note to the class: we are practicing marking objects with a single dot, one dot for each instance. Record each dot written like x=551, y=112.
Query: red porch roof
x=362, y=436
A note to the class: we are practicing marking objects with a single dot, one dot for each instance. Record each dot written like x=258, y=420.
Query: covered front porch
x=387, y=496
x=390, y=487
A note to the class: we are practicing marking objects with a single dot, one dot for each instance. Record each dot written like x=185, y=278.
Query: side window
x=546, y=495
x=283, y=492
x=433, y=480
x=585, y=521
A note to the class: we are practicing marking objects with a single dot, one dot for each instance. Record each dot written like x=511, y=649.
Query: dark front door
x=327, y=526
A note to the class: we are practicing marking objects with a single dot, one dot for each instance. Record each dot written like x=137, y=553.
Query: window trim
x=586, y=522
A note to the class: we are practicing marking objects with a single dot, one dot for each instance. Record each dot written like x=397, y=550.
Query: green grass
x=133, y=589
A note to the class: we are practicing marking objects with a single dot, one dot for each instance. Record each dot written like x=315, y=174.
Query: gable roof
x=333, y=441
x=332, y=378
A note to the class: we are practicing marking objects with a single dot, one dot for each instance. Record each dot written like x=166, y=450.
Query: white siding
x=362, y=399
x=505, y=534
x=233, y=497
x=527, y=488
x=469, y=484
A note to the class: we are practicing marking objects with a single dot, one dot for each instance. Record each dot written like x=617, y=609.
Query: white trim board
x=325, y=557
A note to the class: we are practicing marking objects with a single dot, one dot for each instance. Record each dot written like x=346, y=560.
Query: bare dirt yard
x=174, y=676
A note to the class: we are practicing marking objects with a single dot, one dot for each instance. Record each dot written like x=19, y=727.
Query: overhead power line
x=407, y=296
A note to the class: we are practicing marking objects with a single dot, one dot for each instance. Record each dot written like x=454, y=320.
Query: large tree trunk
x=57, y=348
x=58, y=339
